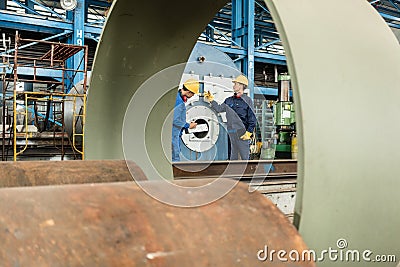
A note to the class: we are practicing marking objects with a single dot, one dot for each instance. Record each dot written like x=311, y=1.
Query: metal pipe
x=3, y=144
x=62, y=129
x=15, y=69
x=85, y=77
x=38, y=173
x=52, y=56
x=117, y=224
x=44, y=41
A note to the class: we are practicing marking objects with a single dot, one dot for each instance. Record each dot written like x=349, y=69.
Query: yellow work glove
x=246, y=136
x=209, y=96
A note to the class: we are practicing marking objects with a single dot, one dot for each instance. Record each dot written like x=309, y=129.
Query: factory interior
x=101, y=165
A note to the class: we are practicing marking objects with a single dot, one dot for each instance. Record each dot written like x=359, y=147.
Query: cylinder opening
x=201, y=135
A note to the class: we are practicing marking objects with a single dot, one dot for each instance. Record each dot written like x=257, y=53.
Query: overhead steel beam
x=258, y=23
x=28, y=8
x=99, y=3
x=51, y=11
x=43, y=25
x=266, y=91
x=56, y=74
x=390, y=17
x=34, y=43
x=259, y=56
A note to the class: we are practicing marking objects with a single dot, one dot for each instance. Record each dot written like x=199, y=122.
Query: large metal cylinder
x=346, y=188
x=117, y=224
x=348, y=171
x=35, y=173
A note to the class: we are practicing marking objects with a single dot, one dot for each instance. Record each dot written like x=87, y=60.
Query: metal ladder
x=25, y=127
x=79, y=116
x=267, y=131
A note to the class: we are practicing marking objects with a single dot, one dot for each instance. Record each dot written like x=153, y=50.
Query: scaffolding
x=43, y=108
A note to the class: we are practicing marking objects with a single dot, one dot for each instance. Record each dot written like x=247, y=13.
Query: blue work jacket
x=178, y=125
x=179, y=121
x=239, y=113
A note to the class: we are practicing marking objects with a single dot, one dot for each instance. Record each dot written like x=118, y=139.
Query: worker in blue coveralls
x=240, y=116
x=189, y=88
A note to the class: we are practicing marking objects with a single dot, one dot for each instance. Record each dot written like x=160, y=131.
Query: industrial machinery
x=43, y=117
x=346, y=203
x=215, y=70
x=284, y=118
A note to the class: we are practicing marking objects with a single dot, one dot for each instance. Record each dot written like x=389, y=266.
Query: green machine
x=284, y=118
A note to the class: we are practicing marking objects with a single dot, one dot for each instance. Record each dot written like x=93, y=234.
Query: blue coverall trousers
x=176, y=140
x=238, y=147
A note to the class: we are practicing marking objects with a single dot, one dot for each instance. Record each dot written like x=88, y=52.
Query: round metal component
x=202, y=141
x=68, y=4
x=117, y=224
x=35, y=173
x=201, y=59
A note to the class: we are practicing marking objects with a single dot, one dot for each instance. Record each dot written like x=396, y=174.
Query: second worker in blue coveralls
x=189, y=88
x=240, y=118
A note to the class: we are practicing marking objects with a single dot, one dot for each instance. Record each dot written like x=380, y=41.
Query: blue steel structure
x=253, y=39
x=243, y=29
x=46, y=20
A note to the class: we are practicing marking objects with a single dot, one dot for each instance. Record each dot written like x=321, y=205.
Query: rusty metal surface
x=116, y=224
x=61, y=52
x=35, y=173
x=233, y=169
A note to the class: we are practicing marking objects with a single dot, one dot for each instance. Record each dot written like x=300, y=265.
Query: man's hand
x=209, y=96
x=192, y=125
x=246, y=136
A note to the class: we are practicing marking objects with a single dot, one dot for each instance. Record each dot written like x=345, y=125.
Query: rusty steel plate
x=232, y=169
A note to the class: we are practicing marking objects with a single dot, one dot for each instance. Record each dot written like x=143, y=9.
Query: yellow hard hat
x=192, y=85
x=242, y=79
